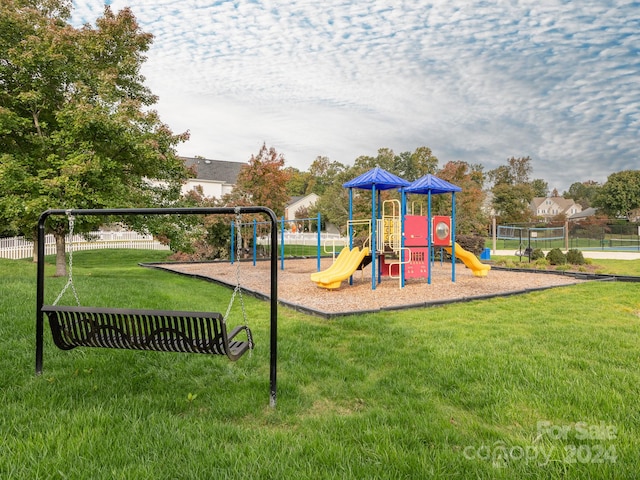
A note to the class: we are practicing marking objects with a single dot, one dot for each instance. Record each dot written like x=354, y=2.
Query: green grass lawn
x=543, y=385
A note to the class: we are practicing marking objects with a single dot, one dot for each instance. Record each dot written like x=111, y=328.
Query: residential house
x=549, y=207
x=634, y=215
x=296, y=203
x=583, y=215
x=215, y=177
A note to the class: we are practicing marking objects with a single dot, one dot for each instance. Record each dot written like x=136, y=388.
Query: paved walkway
x=587, y=254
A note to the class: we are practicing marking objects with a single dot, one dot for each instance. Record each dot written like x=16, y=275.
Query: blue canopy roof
x=379, y=177
x=432, y=184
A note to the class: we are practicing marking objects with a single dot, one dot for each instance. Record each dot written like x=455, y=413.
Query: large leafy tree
x=583, y=193
x=620, y=195
x=299, y=183
x=263, y=181
x=76, y=130
x=470, y=218
x=512, y=202
x=324, y=174
x=513, y=191
x=413, y=165
x=407, y=165
x=332, y=175
x=516, y=171
x=334, y=202
x=541, y=188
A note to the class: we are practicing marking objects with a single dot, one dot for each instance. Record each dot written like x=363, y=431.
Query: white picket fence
x=308, y=238
x=18, y=247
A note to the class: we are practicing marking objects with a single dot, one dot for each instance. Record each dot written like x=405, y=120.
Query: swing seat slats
x=136, y=329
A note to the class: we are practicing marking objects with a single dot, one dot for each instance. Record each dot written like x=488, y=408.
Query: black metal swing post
x=168, y=211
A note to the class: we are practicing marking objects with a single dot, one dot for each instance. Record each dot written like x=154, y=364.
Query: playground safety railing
x=358, y=225
x=404, y=257
x=330, y=244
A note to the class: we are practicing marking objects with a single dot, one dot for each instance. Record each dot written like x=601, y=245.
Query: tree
x=385, y=160
x=512, y=202
x=583, y=193
x=620, y=194
x=330, y=176
x=323, y=174
x=299, y=182
x=512, y=190
x=73, y=136
x=334, y=202
x=412, y=166
x=263, y=181
x=541, y=188
x=470, y=219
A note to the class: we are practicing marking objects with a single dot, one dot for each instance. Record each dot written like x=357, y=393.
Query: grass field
x=543, y=385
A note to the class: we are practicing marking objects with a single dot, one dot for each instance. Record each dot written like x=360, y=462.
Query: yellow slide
x=337, y=264
x=471, y=261
x=333, y=277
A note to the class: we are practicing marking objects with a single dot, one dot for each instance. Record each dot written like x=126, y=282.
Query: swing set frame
x=41, y=309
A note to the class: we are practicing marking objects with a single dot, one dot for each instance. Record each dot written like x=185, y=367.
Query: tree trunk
x=61, y=257
x=36, y=122
x=35, y=250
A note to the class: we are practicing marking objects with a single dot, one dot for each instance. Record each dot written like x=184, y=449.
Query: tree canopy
x=583, y=193
x=263, y=181
x=620, y=195
x=76, y=127
x=470, y=217
x=513, y=191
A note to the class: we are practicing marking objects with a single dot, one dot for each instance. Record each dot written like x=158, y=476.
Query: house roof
x=588, y=212
x=295, y=199
x=215, y=170
x=563, y=203
x=310, y=198
x=298, y=199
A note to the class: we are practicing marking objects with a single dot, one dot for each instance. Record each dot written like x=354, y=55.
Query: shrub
x=541, y=263
x=556, y=257
x=472, y=243
x=537, y=254
x=575, y=257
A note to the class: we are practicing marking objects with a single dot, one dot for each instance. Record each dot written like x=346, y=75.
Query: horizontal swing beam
x=165, y=211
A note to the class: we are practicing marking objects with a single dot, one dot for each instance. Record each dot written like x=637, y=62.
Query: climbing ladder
x=390, y=239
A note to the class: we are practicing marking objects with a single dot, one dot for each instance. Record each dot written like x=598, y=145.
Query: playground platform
x=297, y=291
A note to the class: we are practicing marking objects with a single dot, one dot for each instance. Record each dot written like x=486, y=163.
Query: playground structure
x=399, y=245
x=347, y=262
x=296, y=239
x=478, y=268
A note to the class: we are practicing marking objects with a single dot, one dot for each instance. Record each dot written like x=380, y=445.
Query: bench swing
x=154, y=330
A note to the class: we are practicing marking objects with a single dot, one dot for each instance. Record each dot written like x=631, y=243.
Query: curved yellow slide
x=337, y=264
x=332, y=279
x=471, y=261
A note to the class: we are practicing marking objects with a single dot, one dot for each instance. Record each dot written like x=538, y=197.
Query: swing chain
x=238, y=290
x=72, y=221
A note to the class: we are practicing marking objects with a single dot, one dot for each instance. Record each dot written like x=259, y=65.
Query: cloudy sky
x=479, y=81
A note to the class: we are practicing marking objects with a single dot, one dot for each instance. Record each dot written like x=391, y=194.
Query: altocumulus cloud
x=476, y=81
